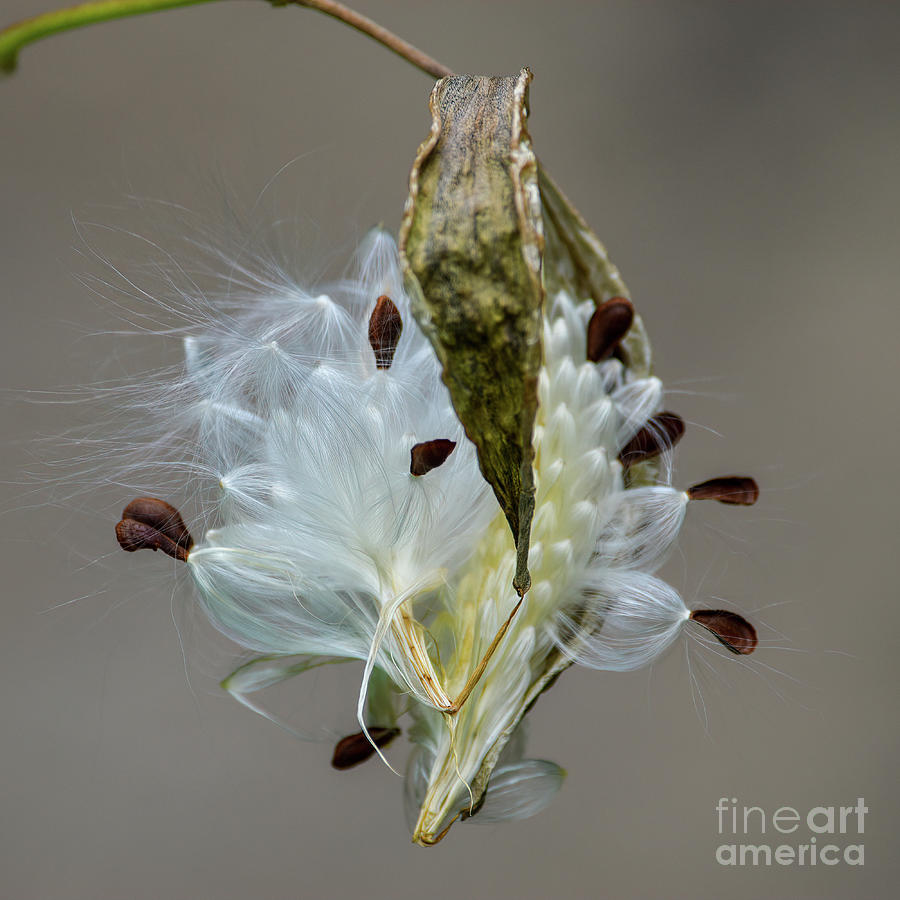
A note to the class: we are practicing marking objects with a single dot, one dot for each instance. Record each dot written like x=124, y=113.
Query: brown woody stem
x=20, y=34
x=475, y=677
x=378, y=33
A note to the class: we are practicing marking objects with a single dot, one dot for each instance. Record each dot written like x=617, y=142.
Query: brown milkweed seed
x=662, y=432
x=152, y=524
x=162, y=516
x=356, y=748
x=429, y=455
x=734, y=631
x=133, y=535
x=739, y=490
x=385, y=328
x=607, y=326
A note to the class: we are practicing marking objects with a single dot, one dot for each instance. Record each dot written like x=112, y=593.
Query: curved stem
x=420, y=60
x=19, y=35
x=16, y=36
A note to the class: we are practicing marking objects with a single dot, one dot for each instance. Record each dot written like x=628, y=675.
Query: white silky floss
x=331, y=539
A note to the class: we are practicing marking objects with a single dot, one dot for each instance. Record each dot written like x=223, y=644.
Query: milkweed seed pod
x=453, y=467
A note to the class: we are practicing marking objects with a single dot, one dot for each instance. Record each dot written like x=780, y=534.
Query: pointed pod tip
x=734, y=631
x=522, y=583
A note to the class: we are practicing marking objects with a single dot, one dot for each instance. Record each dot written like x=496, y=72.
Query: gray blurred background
x=740, y=162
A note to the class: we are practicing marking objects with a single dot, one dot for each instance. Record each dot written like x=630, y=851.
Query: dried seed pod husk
x=471, y=245
x=484, y=231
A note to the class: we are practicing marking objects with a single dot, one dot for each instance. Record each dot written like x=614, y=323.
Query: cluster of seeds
x=353, y=522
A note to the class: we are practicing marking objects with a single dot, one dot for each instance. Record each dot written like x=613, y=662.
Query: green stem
x=16, y=36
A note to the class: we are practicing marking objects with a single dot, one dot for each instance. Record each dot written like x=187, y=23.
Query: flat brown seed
x=385, y=328
x=734, y=631
x=429, y=455
x=739, y=490
x=607, y=326
x=356, y=748
x=162, y=516
x=662, y=432
x=133, y=535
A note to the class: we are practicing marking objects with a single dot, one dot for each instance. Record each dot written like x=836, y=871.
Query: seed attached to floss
x=738, y=490
x=734, y=631
x=385, y=328
x=429, y=455
x=152, y=524
x=607, y=326
x=357, y=748
x=662, y=432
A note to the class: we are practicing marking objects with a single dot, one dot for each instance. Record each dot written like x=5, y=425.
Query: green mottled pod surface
x=472, y=244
